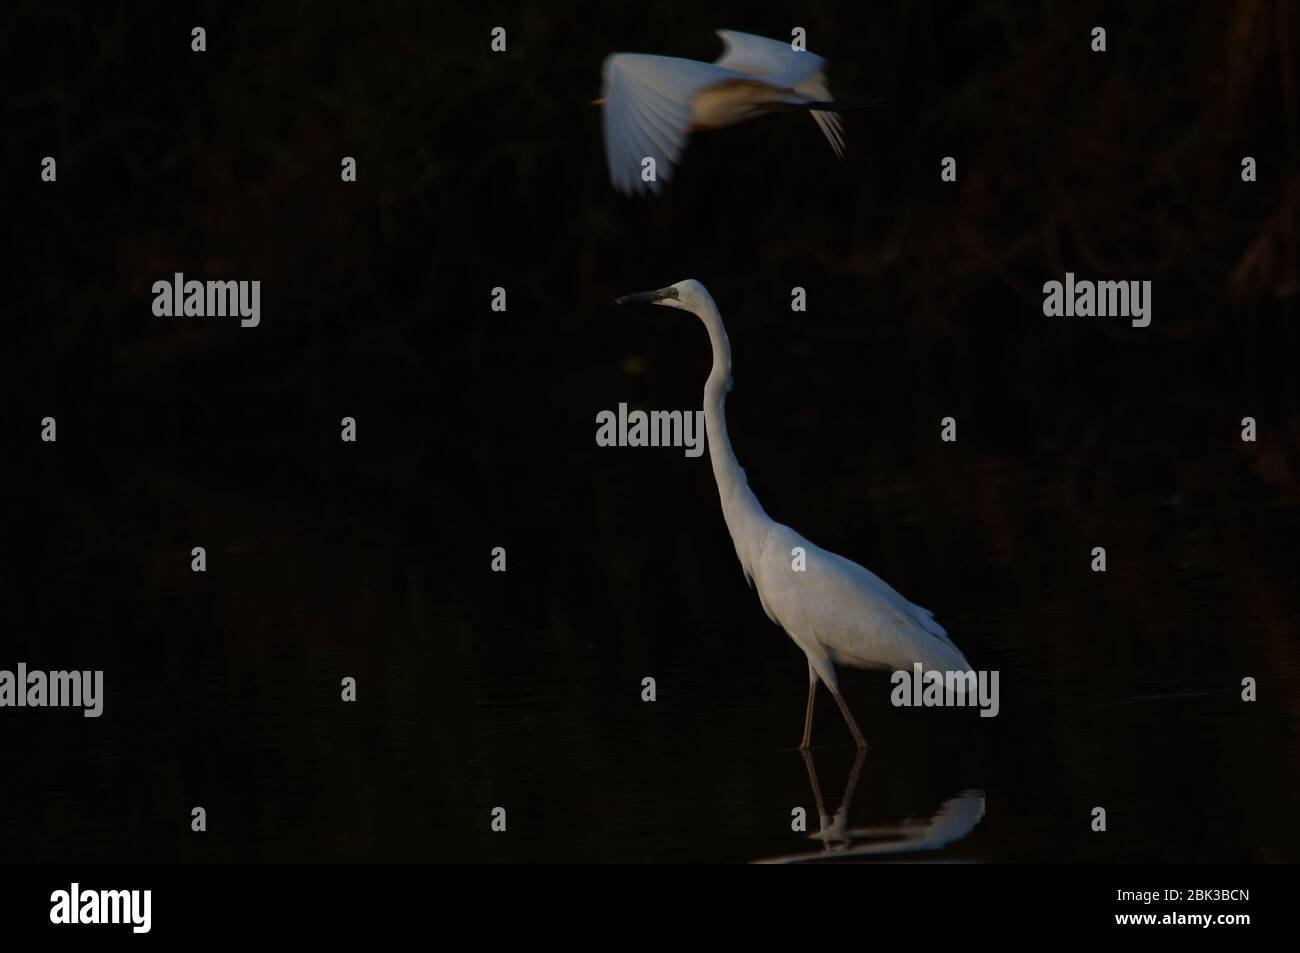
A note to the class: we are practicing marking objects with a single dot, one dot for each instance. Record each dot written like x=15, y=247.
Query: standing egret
x=651, y=103
x=833, y=609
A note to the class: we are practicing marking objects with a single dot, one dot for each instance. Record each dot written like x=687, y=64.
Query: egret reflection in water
x=954, y=819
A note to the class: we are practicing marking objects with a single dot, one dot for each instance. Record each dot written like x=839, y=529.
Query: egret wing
x=814, y=87
x=779, y=64
x=772, y=61
x=647, y=113
x=853, y=613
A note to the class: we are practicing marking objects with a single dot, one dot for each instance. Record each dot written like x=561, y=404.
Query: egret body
x=834, y=609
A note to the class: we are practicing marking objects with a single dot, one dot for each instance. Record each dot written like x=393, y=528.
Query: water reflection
x=954, y=819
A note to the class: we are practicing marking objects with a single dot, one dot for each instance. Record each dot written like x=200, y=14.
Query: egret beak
x=597, y=102
x=641, y=297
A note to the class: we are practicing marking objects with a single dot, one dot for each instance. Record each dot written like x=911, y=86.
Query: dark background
x=476, y=429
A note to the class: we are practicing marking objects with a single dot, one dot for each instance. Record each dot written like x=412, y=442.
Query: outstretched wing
x=779, y=64
x=647, y=113
x=772, y=61
x=814, y=87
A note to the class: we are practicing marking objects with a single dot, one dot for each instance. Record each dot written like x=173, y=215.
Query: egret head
x=687, y=295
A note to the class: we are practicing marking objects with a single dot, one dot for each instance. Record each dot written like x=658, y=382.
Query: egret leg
x=844, y=710
x=808, y=715
x=841, y=815
x=853, y=780
x=812, y=779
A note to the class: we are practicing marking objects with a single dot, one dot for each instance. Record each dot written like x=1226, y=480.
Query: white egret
x=833, y=609
x=651, y=103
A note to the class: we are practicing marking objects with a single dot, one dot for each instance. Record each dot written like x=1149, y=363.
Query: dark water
x=522, y=689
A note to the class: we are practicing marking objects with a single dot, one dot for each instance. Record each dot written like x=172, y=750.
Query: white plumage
x=835, y=610
x=652, y=103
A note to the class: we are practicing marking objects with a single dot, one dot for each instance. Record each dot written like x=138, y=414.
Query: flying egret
x=833, y=609
x=651, y=103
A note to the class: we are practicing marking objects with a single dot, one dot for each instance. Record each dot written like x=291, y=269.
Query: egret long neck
x=740, y=508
